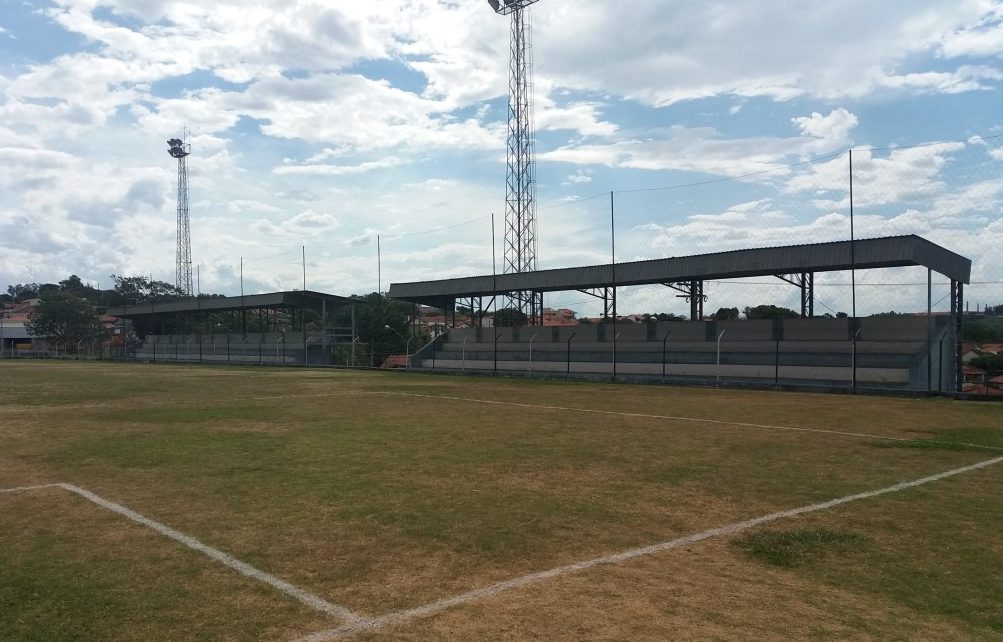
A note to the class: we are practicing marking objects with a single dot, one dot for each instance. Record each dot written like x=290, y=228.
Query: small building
x=14, y=333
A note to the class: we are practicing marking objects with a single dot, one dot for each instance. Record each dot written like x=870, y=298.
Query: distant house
x=13, y=331
x=437, y=321
x=634, y=318
x=561, y=317
x=969, y=351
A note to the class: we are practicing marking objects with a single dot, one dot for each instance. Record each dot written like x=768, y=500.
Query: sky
x=317, y=127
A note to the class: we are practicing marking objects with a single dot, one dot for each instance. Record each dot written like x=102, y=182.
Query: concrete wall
x=892, y=352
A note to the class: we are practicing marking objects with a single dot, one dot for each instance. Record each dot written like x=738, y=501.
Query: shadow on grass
x=790, y=549
x=956, y=439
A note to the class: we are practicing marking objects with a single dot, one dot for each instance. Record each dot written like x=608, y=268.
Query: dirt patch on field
x=704, y=593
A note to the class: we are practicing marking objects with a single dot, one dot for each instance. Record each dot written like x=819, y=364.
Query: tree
x=985, y=330
x=23, y=291
x=510, y=318
x=383, y=325
x=131, y=290
x=64, y=316
x=770, y=312
x=725, y=314
x=668, y=316
x=71, y=283
x=991, y=363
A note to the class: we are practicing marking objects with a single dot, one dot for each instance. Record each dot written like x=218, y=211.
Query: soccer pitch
x=173, y=502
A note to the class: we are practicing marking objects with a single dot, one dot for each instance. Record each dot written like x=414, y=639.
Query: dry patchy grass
x=379, y=501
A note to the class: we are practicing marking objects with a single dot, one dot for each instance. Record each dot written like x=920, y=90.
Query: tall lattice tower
x=180, y=150
x=520, y=184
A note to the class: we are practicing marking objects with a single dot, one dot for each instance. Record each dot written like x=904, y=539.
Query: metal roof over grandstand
x=317, y=301
x=886, y=252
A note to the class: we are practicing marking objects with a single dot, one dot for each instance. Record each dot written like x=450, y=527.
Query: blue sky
x=325, y=124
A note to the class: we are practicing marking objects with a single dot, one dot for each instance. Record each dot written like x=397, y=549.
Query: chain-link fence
x=948, y=193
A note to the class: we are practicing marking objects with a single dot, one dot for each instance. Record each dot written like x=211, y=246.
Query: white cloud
x=706, y=150
x=338, y=170
x=701, y=49
x=238, y=206
x=346, y=89
x=836, y=126
x=963, y=79
x=879, y=178
x=305, y=225
x=985, y=38
x=578, y=178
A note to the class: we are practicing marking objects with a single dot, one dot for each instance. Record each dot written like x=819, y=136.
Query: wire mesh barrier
x=837, y=354
x=948, y=193
x=253, y=349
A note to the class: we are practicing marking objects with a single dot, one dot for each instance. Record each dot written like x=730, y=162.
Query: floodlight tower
x=180, y=150
x=520, y=184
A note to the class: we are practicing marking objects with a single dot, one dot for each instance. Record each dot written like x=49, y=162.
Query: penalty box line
x=398, y=617
x=719, y=422
x=243, y=568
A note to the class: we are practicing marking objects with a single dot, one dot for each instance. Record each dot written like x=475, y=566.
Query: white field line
x=22, y=489
x=360, y=626
x=243, y=568
x=719, y=422
x=342, y=393
x=105, y=404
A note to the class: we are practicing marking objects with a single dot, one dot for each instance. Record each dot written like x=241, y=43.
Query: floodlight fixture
x=505, y=7
x=178, y=148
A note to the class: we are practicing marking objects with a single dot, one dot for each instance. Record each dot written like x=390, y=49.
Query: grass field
x=387, y=495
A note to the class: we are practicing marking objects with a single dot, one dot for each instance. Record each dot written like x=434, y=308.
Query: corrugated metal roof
x=289, y=299
x=886, y=252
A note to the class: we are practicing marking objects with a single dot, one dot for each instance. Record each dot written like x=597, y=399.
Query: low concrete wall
x=895, y=352
x=766, y=372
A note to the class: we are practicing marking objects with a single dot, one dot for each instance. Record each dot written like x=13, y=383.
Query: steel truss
x=608, y=297
x=183, y=270
x=805, y=281
x=692, y=291
x=520, y=184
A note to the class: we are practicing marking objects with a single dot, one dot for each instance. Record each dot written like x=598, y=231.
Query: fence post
x=531, y=352
x=568, y=373
x=853, y=361
x=940, y=363
x=664, y=342
x=719, y=355
x=776, y=370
